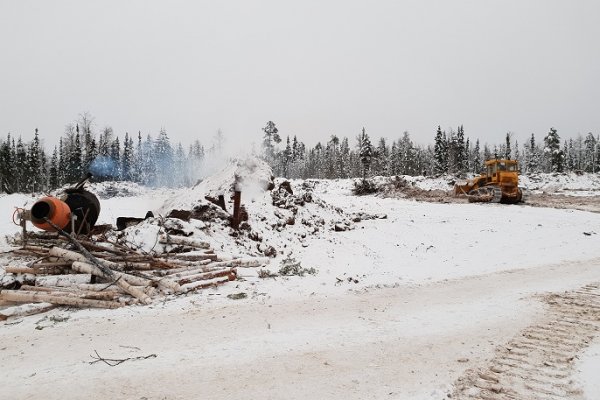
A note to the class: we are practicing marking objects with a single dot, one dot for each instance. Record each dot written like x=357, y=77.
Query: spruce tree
x=508, y=150
x=365, y=153
x=553, y=152
x=440, y=154
x=6, y=163
x=163, y=156
x=54, y=180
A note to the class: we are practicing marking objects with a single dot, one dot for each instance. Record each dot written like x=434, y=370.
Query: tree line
x=451, y=153
x=155, y=161
x=151, y=161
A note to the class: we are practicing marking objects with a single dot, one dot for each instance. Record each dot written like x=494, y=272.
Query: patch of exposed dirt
x=559, y=201
x=582, y=203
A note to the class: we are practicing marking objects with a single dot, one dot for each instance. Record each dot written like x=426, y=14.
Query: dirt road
x=399, y=343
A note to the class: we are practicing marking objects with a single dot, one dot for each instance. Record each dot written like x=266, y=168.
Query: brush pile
x=98, y=272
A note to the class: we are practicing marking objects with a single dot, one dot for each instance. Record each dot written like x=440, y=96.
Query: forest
x=155, y=161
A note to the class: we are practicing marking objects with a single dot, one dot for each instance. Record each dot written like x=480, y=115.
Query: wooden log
x=57, y=290
x=229, y=272
x=20, y=270
x=244, y=262
x=35, y=297
x=96, y=247
x=197, y=271
x=38, y=249
x=62, y=280
x=35, y=269
x=21, y=252
x=48, y=264
x=74, y=256
x=197, y=257
x=204, y=284
x=185, y=264
x=132, y=280
x=200, y=266
x=25, y=310
x=96, y=287
x=121, y=280
x=185, y=241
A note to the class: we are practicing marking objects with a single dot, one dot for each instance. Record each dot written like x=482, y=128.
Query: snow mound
x=556, y=182
x=108, y=190
x=251, y=175
x=278, y=216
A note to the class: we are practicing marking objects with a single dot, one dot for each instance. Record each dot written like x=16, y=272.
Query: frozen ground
x=401, y=307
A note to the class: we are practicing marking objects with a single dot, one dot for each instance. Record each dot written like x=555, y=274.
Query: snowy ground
x=400, y=307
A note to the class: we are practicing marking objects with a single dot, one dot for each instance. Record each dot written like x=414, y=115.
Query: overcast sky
x=315, y=68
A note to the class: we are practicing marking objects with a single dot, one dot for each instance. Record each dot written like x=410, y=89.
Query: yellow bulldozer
x=499, y=183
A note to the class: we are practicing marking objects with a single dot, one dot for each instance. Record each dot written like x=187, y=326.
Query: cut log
x=96, y=247
x=62, y=280
x=121, y=280
x=186, y=241
x=204, y=284
x=74, y=256
x=243, y=262
x=182, y=265
x=229, y=273
x=20, y=270
x=50, y=264
x=133, y=280
x=35, y=297
x=25, y=310
x=197, y=257
x=95, y=287
x=57, y=290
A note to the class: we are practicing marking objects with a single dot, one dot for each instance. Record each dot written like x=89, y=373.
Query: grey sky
x=316, y=68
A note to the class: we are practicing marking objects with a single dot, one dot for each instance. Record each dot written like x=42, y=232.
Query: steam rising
x=104, y=167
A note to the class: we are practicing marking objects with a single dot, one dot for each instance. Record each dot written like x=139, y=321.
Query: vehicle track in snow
x=538, y=362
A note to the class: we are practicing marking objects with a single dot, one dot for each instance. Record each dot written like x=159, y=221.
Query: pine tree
x=127, y=159
x=74, y=168
x=365, y=153
x=570, y=155
x=477, y=163
x=553, y=152
x=344, y=160
x=440, y=153
x=459, y=151
x=532, y=162
x=589, y=158
x=508, y=149
x=115, y=157
x=270, y=139
x=286, y=158
x=54, y=180
x=139, y=160
x=33, y=168
x=20, y=167
x=148, y=176
x=163, y=153
x=6, y=163
x=180, y=175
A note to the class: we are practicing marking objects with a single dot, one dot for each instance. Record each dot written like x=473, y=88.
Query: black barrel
x=86, y=206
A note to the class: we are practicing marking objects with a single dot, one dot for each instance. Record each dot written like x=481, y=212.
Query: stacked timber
x=102, y=274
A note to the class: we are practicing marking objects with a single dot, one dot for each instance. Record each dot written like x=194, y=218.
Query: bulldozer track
x=537, y=364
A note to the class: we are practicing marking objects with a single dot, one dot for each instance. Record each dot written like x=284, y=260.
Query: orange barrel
x=52, y=208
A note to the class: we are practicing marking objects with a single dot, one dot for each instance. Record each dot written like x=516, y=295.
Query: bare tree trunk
x=34, y=297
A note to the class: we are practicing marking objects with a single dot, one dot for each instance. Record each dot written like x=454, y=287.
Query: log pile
x=103, y=274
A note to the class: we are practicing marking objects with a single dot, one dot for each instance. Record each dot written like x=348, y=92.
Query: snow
x=393, y=305
x=588, y=367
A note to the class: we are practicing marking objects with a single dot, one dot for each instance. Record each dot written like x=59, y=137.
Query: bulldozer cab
x=501, y=171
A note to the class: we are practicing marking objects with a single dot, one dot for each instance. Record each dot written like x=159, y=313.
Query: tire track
x=537, y=364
